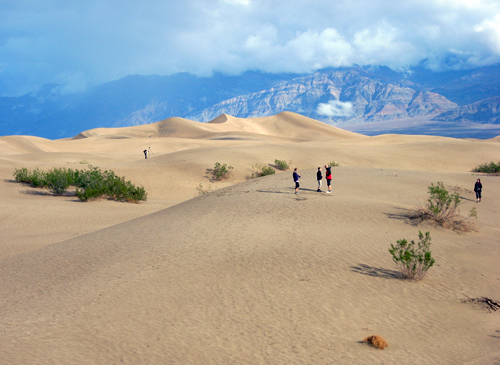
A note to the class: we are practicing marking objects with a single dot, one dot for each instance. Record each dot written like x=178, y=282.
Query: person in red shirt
x=328, y=178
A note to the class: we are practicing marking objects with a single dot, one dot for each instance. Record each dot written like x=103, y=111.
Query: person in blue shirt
x=296, y=177
x=478, y=187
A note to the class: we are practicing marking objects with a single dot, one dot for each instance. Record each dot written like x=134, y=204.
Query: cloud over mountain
x=84, y=43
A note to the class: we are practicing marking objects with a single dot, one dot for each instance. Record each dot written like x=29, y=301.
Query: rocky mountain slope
x=354, y=95
x=335, y=96
x=483, y=111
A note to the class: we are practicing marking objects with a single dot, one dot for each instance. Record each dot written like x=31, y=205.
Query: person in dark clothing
x=145, y=154
x=296, y=177
x=478, y=187
x=319, y=176
x=328, y=178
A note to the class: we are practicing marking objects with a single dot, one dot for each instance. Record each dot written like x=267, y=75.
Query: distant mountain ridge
x=351, y=95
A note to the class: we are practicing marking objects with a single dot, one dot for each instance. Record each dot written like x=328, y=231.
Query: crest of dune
x=286, y=125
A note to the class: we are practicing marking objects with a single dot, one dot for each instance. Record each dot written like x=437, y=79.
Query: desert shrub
x=413, y=259
x=202, y=190
x=282, y=165
x=262, y=170
x=376, y=341
x=333, y=163
x=91, y=183
x=489, y=168
x=35, y=178
x=442, y=208
x=221, y=171
x=22, y=175
x=58, y=180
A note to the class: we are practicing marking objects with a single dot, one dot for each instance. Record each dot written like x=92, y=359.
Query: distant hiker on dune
x=296, y=177
x=319, y=177
x=145, y=154
x=478, y=187
x=328, y=178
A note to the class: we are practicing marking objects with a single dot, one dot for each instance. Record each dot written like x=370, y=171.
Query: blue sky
x=79, y=44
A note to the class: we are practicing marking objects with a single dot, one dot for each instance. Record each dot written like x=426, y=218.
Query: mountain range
x=453, y=103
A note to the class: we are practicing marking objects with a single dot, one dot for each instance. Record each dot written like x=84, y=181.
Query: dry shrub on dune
x=376, y=341
x=443, y=209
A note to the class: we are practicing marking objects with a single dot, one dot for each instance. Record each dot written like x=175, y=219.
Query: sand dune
x=249, y=273
x=284, y=125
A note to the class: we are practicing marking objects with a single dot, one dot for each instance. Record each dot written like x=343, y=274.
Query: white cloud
x=102, y=40
x=335, y=108
x=490, y=29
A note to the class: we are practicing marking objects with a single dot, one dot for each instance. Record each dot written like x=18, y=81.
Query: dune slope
x=254, y=274
x=250, y=273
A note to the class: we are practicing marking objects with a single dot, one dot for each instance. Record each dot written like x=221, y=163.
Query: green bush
x=221, y=171
x=413, y=259
x=91, y=183
x=262, y=170
x=22, y=175
x=282, y=165
x=442, y=208
x=489, y=168
x=58, y=180
x=35, y=178
x=334, y=164
x=441, y=201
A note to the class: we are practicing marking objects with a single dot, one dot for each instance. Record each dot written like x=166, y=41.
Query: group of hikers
x=319, y=177
x=478, y=187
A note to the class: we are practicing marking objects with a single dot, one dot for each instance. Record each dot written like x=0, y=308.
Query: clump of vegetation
x=35, y=178
x=202, y=190
x=413, y=259
x=262, y=170
x=333, y=163
x=91, y=183
x=282, y=165
x=442, y=208
x=489, y=168
x=376, y=341
x=59, y=180
x=221, y=171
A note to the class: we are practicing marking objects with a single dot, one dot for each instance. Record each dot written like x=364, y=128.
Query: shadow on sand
x=376, y=271
x=404, y=215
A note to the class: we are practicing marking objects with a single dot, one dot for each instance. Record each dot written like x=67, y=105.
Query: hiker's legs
x=329, y=183
x=297, y=187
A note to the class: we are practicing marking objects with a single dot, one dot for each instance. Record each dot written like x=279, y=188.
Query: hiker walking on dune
x=145, y=154
x=328, y=176
x=478, y=187
x=296, y=177
x=319, y=177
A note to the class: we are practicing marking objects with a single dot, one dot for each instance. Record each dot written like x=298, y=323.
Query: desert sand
x=249, y=273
